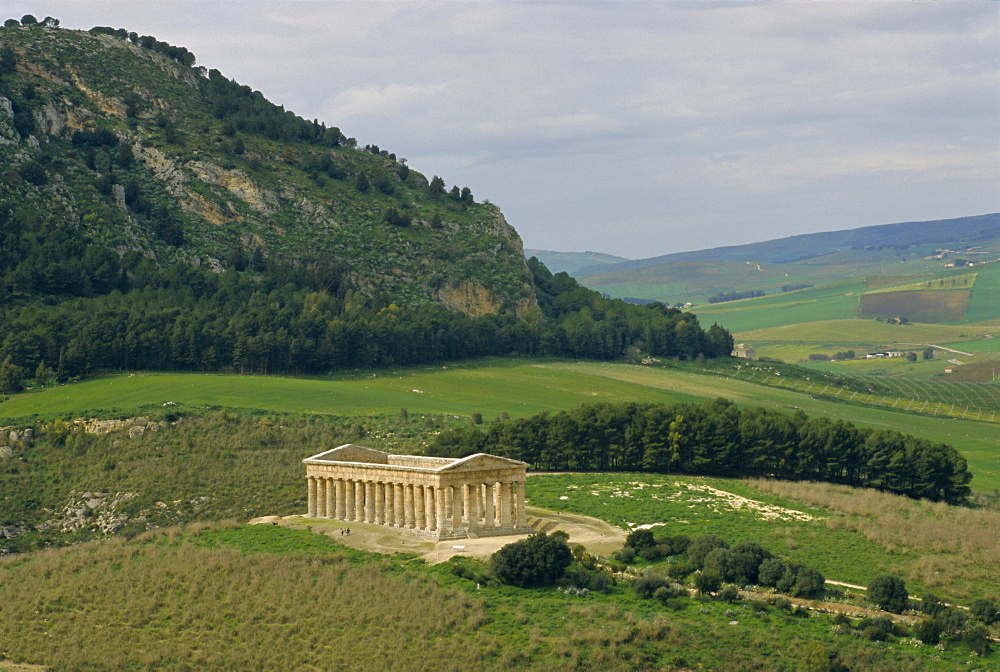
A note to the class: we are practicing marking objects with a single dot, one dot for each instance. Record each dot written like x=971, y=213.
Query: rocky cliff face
x=129, y=144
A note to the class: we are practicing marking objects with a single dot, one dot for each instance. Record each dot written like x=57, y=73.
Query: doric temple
x=436, y=497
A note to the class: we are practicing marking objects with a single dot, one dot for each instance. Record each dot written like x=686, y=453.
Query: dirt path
x=597, y=536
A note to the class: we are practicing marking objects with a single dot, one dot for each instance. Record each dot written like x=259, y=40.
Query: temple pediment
x=352, y=453
x=483, y=461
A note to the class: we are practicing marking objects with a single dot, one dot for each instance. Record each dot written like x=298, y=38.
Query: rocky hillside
x=117, y=141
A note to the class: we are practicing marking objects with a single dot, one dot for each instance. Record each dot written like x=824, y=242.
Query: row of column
x=419, y=507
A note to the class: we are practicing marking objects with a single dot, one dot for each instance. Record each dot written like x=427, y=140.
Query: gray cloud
x=633, y=128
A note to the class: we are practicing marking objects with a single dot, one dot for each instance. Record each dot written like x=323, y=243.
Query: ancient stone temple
x=436, y=497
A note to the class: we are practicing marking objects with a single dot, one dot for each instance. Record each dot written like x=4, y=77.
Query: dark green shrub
x=626, y=555
x=651, y=554
x=928, y=631
x=701, y=547
x=535, y=561
x=640, y=539
x=888, y=592
x=978, y=639
x=707, y=582
x=930, y=604
x=646, y=586
x=953, y=621
x=678, y=571
x=984, y=610
x=729, y=594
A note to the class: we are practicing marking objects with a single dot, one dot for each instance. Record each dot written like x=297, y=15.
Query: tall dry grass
x=173, y=606
x=958, y=547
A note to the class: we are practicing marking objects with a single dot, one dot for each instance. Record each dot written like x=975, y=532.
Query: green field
x=964, y=281
x=797, y=341
x=837, y=300
x=518, y=387
x=984, y=304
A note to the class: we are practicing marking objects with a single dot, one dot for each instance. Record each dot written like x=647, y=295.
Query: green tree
x=436, y=187
x=640, y=539
x=984, y=610
x=10, y=377
x=707, y=582
x=928, y=631
x=361, y=183
x=888, y=592
x=536, y=561
x=978, y=639
x=702, y=546
x=8, y=60
x=929, y=353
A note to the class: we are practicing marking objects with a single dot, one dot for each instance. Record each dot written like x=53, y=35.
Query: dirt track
x=596, y=535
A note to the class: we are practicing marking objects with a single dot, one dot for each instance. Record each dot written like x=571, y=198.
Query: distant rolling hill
x=912, y=249
x=571, y=262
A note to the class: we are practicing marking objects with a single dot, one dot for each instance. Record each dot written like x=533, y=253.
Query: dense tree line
x=244, y=109
x=282, y=317
x=735, y=295
x=717, y=438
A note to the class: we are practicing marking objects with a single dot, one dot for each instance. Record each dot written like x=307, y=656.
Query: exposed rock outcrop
x=470, y=298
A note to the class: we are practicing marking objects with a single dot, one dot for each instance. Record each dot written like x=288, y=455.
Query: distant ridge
x=970, y=230
x=571, y=262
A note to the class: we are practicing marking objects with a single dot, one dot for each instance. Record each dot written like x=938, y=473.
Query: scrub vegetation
x=228, y=597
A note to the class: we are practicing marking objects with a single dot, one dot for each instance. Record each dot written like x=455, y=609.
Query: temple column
x=472, y=497
x=505, y=496
x=489, y=517
x=398, y=505
x=348, y=498
x=369, y=501
x=311, y=508
x=341, y=511
x=379, y=493
x=522, y=517
x=330, y=497
x=497, y=499
x=439, y=497
x=408, y=506
x=456, y=507
x=390, y=505
x=321, y=498
x=359, y=501
x=430, y=521
x=418, y=507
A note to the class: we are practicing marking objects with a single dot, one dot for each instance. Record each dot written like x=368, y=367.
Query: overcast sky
x=634, y=128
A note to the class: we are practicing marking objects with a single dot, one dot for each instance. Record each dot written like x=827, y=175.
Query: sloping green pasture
x=964, y=281
x=838, y=300
x=518, y=387
x=798, y=341
x=984, y=304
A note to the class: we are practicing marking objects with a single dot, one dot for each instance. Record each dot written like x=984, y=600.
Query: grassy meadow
x=833, y=301
x=490, y=387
